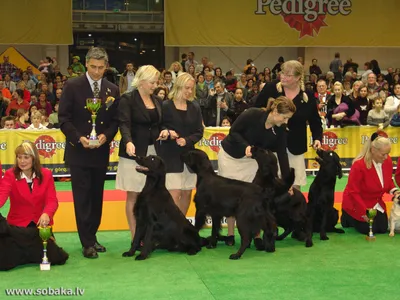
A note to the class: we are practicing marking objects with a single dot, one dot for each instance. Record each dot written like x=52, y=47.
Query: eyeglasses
x=286, y=75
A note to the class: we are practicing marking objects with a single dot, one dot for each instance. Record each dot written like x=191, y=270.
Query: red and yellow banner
x=347, y=142
x=276, y=23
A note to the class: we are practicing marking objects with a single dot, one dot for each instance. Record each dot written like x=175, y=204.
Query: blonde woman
x=139, y=114
x=182, y=128
x=176, y=70
x=340, y=109
x=354, y=90
x=291, y=85
x=369, y=179
x=36, y=119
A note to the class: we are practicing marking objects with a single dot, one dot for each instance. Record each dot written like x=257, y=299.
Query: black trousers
x=87, y=189
x=379, y=225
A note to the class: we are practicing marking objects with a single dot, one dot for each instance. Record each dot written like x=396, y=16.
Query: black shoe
x=230, y=240
x=99, y=248
x=90, y=252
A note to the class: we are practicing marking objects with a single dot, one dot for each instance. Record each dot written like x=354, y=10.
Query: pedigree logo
x=214, y=141
x=47, y=146
x=305, y=16
x=330, y=141
x=114, y=145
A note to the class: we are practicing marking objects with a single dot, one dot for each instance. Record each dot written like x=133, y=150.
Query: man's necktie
x=96, y=90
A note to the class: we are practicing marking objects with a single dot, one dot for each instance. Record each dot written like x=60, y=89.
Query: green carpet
x=345, y=267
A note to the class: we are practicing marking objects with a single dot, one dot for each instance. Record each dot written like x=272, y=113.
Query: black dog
x=290, y=211
x=322, y=194
x=218, y=197
x=159, y=222
x=23, y=245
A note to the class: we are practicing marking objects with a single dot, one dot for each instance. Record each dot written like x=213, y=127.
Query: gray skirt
x=128, y=179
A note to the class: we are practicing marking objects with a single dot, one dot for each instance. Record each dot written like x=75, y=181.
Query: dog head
x=266, y=160
x=150, y=165
x=329, y=160
x=198, y=161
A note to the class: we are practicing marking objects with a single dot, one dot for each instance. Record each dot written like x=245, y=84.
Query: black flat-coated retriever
x=218, y=197
x=290, y=211
x=23, y=245
x=159, y=222
x=321, y=196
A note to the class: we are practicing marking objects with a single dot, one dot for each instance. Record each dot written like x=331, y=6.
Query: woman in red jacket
x=31, y=190
x=370, y=177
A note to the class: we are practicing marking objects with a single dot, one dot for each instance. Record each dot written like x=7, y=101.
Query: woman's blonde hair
x=338, y=84
x=178, y=87
x=171, y=67
x=145, y=73
x=28, y=148
x=36, y=114
x=298, y=70
x=376, y=141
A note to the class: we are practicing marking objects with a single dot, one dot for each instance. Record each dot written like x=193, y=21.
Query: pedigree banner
x=346, y=142
x=51, y=147
x=276, y=23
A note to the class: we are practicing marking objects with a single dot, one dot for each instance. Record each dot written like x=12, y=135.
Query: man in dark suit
x=88, y=163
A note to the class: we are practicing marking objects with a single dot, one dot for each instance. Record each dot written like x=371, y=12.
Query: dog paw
x=234, y=256
x=309, y=243
x=211, y=246
x=204, y=241
x=258, y=243
x=128, y=253
x=324, y=238
x=270, y=248
x=140, y=257
x=192, y=252
x=391, y=234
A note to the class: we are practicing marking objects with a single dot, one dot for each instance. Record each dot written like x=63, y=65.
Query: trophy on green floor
x=45, y=233
x=93, y=105
x=371, y=214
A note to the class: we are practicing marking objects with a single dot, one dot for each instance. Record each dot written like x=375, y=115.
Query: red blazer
x=24, y=205
x=397, y=175
x=364, y=189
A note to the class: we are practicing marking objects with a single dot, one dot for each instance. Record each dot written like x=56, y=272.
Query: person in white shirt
x=392, y=102
x=176, y=70
x=36, y=119
x=369, y=179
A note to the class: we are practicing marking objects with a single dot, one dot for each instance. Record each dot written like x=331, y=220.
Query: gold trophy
x=45, y=233
x=93, y=105
x=371, y=213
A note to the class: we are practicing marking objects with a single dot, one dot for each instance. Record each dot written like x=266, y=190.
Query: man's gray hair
x=219, y=81
x=97, y=53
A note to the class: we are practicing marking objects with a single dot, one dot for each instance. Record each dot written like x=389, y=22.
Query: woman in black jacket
x=139, y=114
x=291, y=85
x=339, y=108
x=255, y=127
x=182, y=128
